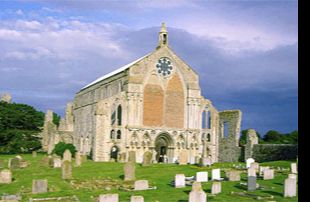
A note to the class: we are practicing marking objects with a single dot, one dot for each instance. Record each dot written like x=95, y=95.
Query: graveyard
x=84, y=180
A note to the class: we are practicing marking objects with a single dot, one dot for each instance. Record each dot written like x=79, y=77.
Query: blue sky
x=244, y=51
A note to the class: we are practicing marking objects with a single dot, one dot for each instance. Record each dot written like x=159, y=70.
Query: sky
x=245, y=52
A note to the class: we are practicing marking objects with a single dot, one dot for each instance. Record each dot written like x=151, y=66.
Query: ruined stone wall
x=251, y=140
x=229, y=150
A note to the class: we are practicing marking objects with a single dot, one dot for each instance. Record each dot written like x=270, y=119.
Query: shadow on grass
x=278, y=183
x=122, y=177
x=242, y=187
x=182, y=200
x=273, y=193
x=187, y=191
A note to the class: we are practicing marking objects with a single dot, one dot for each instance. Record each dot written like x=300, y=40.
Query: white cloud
x=19, y=12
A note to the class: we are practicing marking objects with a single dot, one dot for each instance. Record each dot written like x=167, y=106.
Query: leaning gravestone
x=136, y=199
x=66, y=169
x=132, y=156
x=14, y=163
x=5, y=177
x=147, y=158
x=216, y=187
x=108, y=198
x=39, y=186
x=233, y=175
x=290, y=187
x=202, y=176
x=251, y=183
x=129, y=171
x=141, y=185
x=268, y=174
x=179, y=181
x=197, y=194
x=67, y=156
x=183, y=157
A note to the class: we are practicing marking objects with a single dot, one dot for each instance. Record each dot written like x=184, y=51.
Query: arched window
x=209, y=119
x=204, y=119
x=119, y=115
x=112, y=134
x=119, y=135
x=208, y=137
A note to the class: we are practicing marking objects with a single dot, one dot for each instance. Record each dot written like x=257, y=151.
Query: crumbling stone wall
x=251, y=140
x=229, y=150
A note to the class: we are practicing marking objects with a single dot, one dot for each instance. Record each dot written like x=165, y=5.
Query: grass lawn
x=158, y=175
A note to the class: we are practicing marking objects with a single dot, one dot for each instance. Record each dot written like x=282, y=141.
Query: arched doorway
x=164, y=148
x=114, y=153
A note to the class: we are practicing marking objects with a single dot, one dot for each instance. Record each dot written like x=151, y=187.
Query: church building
x=153, y=104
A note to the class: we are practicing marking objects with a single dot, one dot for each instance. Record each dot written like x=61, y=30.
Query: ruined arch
x=164, y=146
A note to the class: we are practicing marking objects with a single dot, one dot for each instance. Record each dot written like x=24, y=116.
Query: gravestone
x=233, y=175
x=294, y=168
x=255, y=166
x=34, y=154
x=183, y=157
x=39, y=186
x=14, y=163
x=48, y=161
x=294, y=176
x=202, y=176
x=57, y=163
x=136, y=199
x=196, y=186
x=192, y=160
x=261, y=170
x=197, y=196
x=132, y=156
x=11, y=198
x=251, y=172
x=179, y=181
x=108, y=198
x=5, y=177
x=290, y=187
x=147, y=158
x=84, y=158
x=249, y=161
x=141, y=185
x=129, y=171
x=78, y=159
x=216, y=187
x=268, y=174
x=67, y=156
x=205, y=161
x=216, y=174
x=251, y=183
x=66, y=170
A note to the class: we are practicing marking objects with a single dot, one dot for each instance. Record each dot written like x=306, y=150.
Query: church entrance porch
x=164, y=148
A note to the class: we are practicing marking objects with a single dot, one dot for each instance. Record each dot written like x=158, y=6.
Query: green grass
x=158, y=175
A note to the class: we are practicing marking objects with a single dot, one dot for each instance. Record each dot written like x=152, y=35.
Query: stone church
x=153, y=104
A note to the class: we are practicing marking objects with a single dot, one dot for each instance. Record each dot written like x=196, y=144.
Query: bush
x=274, y=152
x=61, y=147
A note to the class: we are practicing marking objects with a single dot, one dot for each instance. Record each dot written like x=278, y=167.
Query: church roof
x=119, y=70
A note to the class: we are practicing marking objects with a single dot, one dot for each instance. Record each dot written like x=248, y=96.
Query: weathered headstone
x=196, y=186
x=183, y=157
x=249, y=161
x=202, y=176
x=294, y=176
x=141, y=185
x=268, y=174
x=261, y=170
x=66, y=169
x=136, y=199
x=14, y=163
x=147, y=158
x=255, y=166
x=290, y=187
x=108, y=198
x=84, y=158
x=216, y=187
x=251, y=183
x=132, y=156
x=216, y=174
x=197, y=196
x=34, y=154
x=205, y=161
x=78, y=159
x=5, y=177
x=48, y=161
x=67, y=156
x=129, y=171
x=57, y=162
x=233, y=175
x=11, y=198
x=251, y=172
x=179, y=181
x=294, y=168
x=39, y=186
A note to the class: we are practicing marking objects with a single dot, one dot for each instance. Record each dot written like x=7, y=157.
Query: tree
x=61, y=147
x=272, y=136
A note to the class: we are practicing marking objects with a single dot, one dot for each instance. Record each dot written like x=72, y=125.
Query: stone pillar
x=251, y=140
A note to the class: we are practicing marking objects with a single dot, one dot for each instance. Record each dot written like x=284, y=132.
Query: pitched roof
x=119, y=70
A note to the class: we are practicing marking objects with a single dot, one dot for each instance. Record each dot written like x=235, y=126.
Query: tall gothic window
x=119, y=135
x=119, y=115
x=112, y=134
